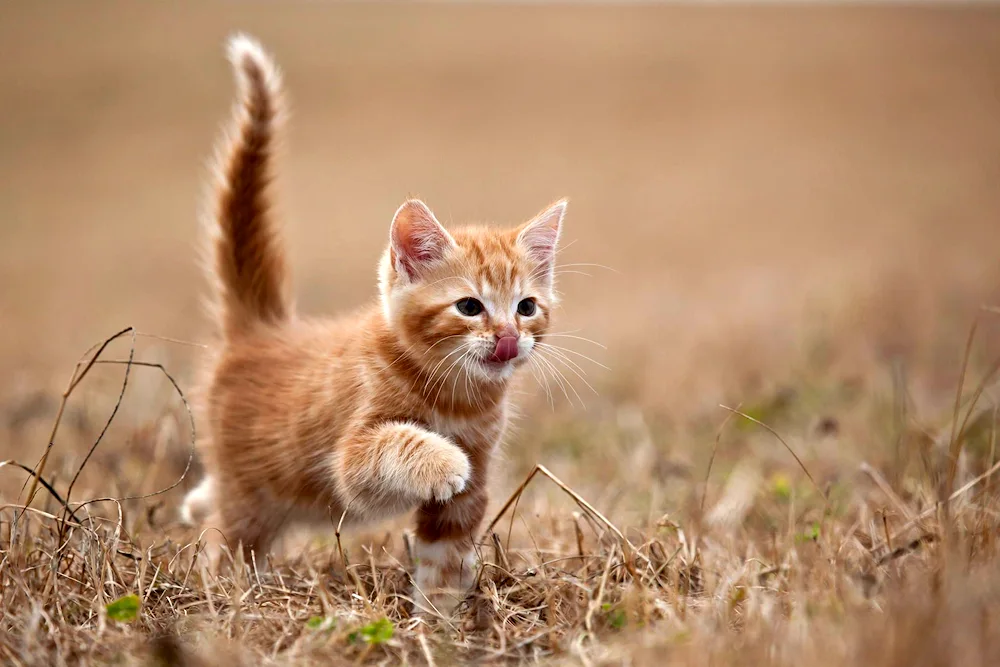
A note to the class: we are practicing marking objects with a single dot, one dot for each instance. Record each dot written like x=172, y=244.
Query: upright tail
x=247, y=259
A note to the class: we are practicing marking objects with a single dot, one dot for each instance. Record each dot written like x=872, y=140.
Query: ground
x=788, y=211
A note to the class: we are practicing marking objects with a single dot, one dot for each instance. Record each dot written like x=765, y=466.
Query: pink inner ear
x=417, y=237
x=421, y=246
x=540, y=236
x=542, y=249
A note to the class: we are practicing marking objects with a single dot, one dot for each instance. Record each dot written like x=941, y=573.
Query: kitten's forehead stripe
x=475, y=253
x=496, y=265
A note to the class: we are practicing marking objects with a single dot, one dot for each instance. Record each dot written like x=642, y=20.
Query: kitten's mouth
x=505, y=350
x=494, y=364
x=504, y=356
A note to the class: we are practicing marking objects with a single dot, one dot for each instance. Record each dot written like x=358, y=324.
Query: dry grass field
x=788, y=211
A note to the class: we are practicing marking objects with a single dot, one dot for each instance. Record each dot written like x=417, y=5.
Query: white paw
x=447, y=488
x=197, y=503
x=446, y=570
x=443, y=471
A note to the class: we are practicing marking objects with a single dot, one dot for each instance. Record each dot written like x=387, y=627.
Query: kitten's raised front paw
x=421, y=465
x=447, y=488
x=441, y=470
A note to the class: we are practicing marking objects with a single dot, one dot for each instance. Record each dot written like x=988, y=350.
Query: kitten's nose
x=506, y=347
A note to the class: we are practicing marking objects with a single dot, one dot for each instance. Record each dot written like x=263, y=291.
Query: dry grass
x=799, y=556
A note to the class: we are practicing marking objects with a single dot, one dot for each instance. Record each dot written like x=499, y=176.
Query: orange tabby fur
x=396, y=407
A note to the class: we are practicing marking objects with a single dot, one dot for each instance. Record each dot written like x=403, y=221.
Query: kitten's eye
x=469, y=307
x=526, y=307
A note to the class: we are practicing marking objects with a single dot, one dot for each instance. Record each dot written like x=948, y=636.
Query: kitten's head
x=477, y=299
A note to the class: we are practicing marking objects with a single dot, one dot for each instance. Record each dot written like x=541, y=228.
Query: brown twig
x=938, y=505
x=787, y=446
x=111, y=417
x=46, y=485
x=75, y=379
x=883, y=486
x=711, y=460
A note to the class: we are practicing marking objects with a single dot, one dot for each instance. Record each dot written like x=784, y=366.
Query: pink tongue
x=506, y=349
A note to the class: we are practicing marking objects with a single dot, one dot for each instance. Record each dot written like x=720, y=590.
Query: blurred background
x=771, y=193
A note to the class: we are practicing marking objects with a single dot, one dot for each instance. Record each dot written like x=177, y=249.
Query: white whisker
x=548, y=392
x=461, y=369
x=566, y=349
x=568, y=334
x=439, y=342
x=445, y=377
x=561, y=380
x=591, y=264
x=562, y=248
x=401, y=355
x=566, y=362
x=431, y=382
x=562, y=355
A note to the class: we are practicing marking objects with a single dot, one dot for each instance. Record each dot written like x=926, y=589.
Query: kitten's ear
x=539, y=236
x=416, y=239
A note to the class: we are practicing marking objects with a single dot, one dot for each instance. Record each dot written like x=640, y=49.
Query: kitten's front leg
x=397, y=465
x=443, y=549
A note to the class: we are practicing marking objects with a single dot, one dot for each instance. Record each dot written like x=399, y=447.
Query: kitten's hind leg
x=198, y=502
x=397, y=465
x=243, y=518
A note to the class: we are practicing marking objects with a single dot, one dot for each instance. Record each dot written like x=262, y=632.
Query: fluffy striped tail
x=247, y=258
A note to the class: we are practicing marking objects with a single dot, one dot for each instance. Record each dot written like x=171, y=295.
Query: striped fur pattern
x=396, y=407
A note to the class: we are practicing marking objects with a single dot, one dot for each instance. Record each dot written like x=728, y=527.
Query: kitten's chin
x=494, y=371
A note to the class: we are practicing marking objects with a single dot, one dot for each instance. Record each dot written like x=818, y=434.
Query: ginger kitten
x=395, y=407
